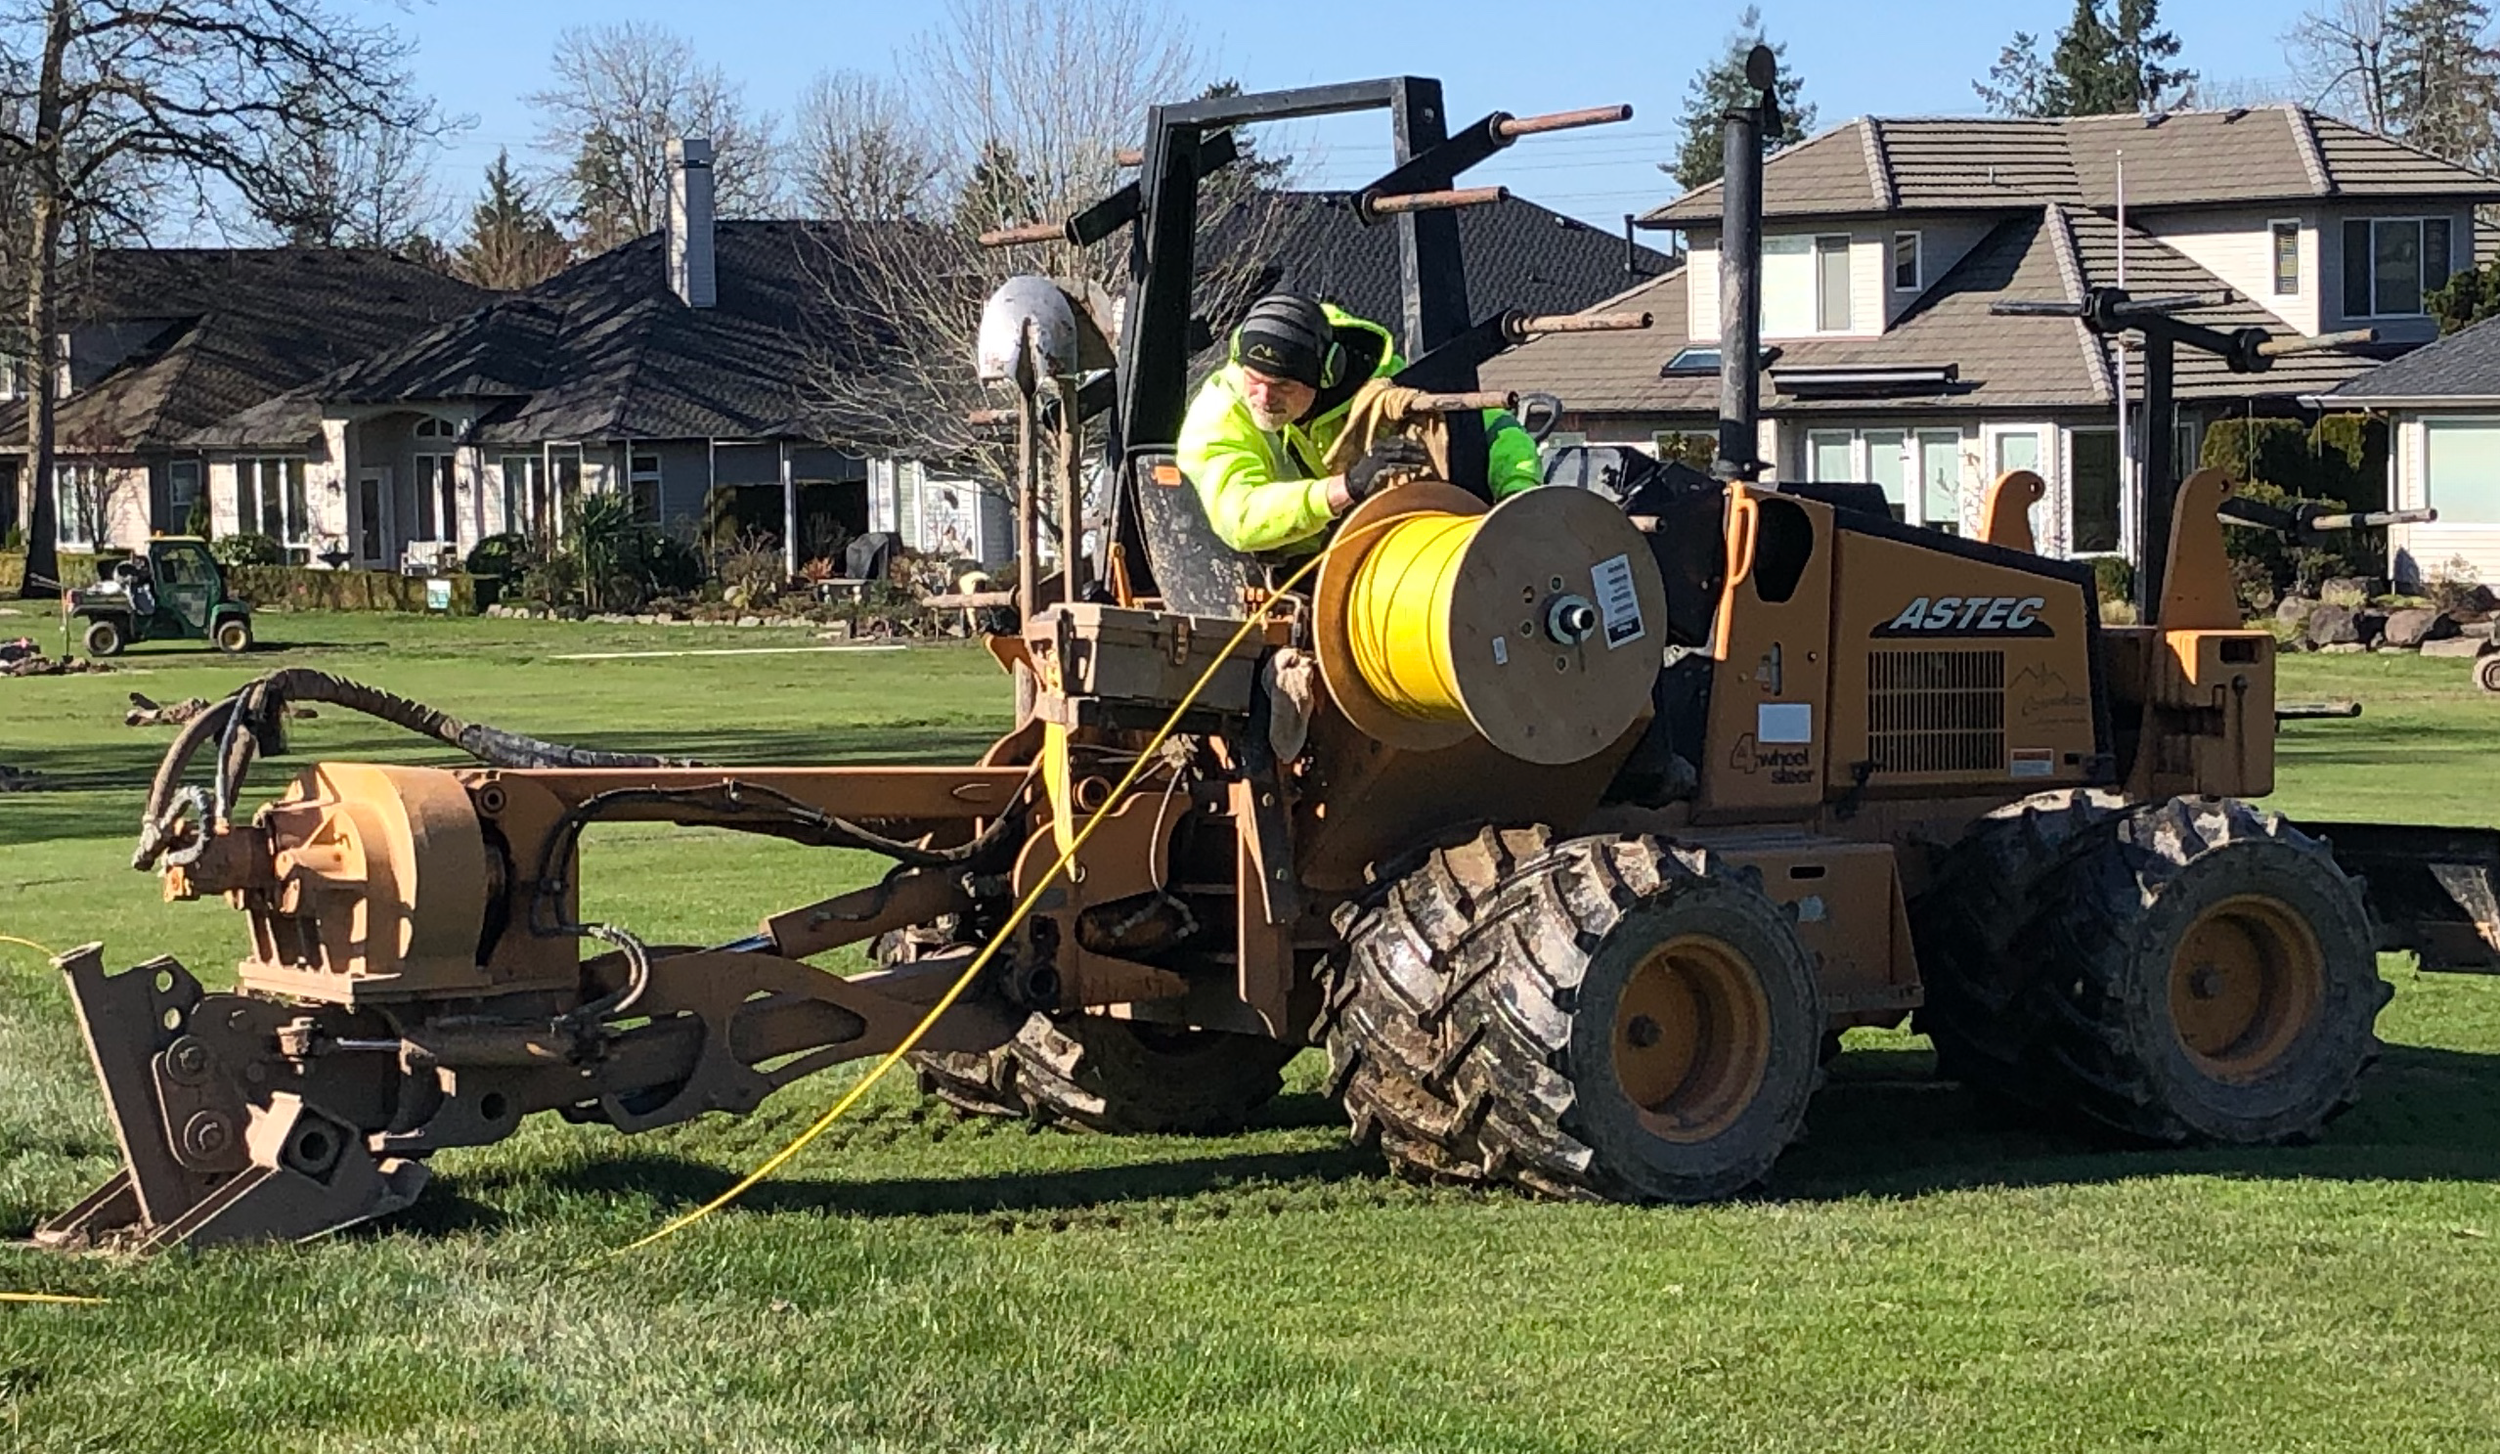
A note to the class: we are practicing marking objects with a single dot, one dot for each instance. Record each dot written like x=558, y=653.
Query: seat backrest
x=1194, y=570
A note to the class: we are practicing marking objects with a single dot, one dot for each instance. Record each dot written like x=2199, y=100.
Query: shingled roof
x=2464, y=367
x=2177, y=159
x=233, y=326
x=2052, y=251
x=604, y=350
x=1518, y=255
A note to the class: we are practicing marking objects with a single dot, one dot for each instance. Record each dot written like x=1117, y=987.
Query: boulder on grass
x=2457, y=646
x=2293, y=611
x=2330, y=624
x=2413, y=626
x=2349, y=590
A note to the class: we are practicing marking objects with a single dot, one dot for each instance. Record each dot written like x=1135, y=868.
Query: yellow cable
x=894, y=1057
x=60, y=1299
x=1398, y=615
x=29, y=943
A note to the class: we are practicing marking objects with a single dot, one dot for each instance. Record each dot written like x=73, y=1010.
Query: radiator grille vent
x=1936, y=711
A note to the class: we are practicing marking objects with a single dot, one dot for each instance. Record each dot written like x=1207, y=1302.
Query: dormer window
x=2391, y=264
x=1906, y=275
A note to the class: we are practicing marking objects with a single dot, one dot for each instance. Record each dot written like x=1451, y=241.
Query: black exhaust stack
x=1740, y=268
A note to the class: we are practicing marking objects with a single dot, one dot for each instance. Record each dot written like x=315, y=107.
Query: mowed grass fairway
x=1917, y=1277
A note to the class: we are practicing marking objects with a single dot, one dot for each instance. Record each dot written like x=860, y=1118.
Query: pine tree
x=1721, y=87
x=2113, y=56
x=512, y=241
x=2443, y=78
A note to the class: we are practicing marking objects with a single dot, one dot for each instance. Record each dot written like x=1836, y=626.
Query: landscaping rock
x=2350, y=590
x=2342, y=648
x=2413, y=626
x=2457, y=646
x=836, y=631
x=750, y=620
x=2331, y=624
x=2293, y=611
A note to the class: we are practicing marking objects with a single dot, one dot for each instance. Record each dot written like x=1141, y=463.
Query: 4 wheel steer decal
x=1969, y=616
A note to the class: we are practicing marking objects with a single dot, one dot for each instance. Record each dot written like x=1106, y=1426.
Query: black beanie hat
x=1284, y=336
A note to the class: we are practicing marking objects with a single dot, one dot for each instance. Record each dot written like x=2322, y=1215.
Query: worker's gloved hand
x=1390, y=458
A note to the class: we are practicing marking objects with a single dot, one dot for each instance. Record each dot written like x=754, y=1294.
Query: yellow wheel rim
x=1692, y=1038
x=2244, y=983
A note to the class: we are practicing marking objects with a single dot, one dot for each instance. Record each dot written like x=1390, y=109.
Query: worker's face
x=1274, y=402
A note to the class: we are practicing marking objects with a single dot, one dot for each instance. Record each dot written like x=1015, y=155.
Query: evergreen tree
x=2113, y=56
x=1721, y=87
x=2443, y=78
x=512, y=241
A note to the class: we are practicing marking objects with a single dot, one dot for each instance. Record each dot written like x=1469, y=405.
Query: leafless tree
x=619, y=94
x=107, y=91
x=2338, y=53
x=859, y=153
x=1026, y=102
x=358, y=184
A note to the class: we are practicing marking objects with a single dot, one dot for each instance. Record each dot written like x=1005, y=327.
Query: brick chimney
x=690, y=221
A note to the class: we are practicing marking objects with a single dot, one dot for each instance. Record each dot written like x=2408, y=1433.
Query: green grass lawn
x=1918, y=1276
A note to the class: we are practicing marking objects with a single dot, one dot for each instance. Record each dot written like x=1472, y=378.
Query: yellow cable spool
x=1539, y=625
x=1398, y=616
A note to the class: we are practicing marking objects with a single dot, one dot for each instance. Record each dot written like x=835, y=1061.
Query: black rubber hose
x=240, y=721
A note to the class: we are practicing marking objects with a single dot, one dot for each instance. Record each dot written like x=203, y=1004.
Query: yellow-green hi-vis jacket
x=1263, y=491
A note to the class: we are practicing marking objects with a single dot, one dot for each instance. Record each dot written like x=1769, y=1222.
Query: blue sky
x=482, y=57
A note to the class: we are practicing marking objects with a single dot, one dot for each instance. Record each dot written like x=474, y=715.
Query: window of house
x=269, y=498
x=438, y=516
x=564, y=483
x=1787, y=286
x=2461, y=470
x=2092, y=483
x=12, y=376
x=1906, y=275
x=1887, y=465
x=2392, y=263
x=78, y=504
x=1831, y=284
x=1831, y=454
x=642, y=477
x=1686, y=446
x=1940, y=478
x=2286, y=257
x=524, y=494
x=182, y=492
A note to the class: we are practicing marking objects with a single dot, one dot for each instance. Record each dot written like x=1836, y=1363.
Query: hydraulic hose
x=242, y=720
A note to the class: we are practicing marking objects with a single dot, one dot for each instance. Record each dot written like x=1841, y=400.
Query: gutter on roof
x=2423, y=402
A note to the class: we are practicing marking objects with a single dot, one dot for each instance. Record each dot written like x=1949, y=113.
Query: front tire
x=104, y=637
x=234, y=636
x=1619, y=1019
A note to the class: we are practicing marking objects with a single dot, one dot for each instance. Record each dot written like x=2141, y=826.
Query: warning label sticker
x=2035, y=762
x=1618, y=601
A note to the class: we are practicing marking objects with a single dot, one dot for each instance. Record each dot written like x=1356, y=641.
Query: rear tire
x=234, y=636
x=1118, y=1077
x=104, y=637
x=1617, y=1018
x=2194, y=970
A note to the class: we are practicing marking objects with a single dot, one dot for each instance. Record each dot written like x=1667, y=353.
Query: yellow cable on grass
x=57, y=1299
x=29, y=943
x=894, y=1057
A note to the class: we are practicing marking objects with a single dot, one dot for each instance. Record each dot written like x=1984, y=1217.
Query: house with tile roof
x=2442, y=404
x=158, y=343
x=1886, y=243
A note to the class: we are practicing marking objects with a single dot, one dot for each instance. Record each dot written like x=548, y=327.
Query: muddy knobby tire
x=1989, y=891
x=1613, y=1018
x=2197, y=970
